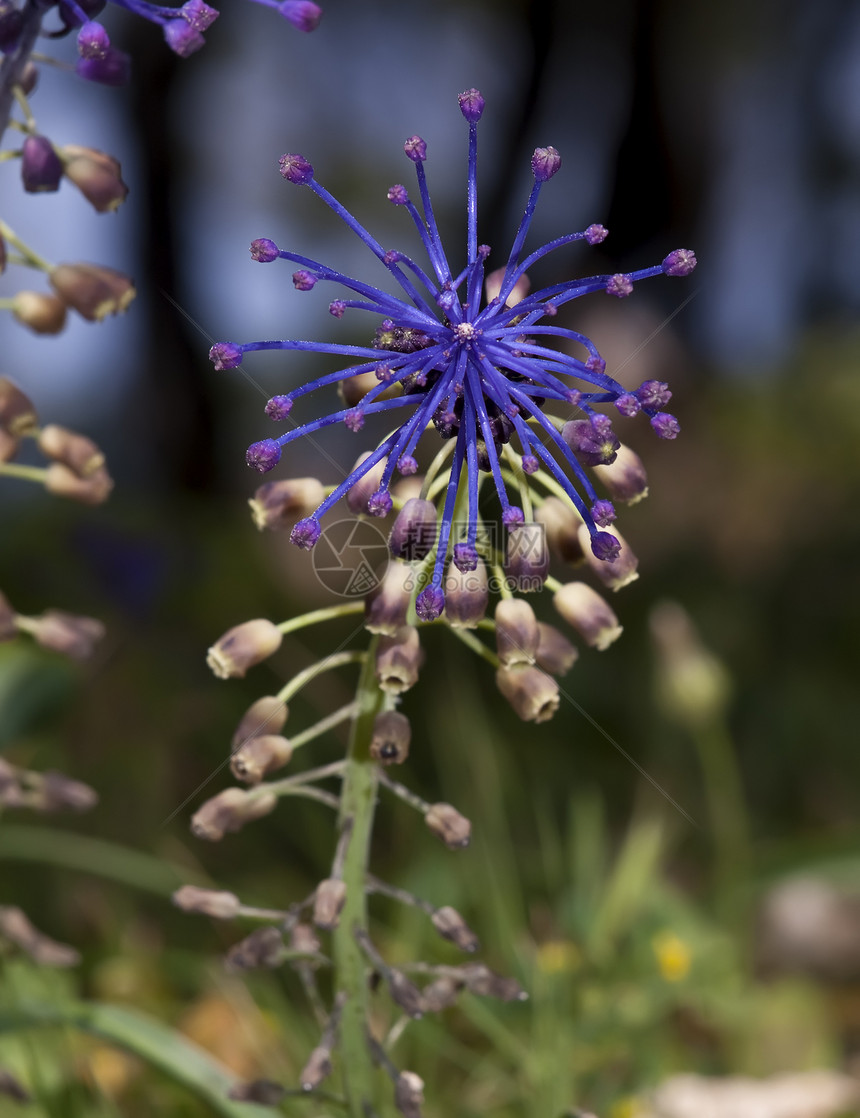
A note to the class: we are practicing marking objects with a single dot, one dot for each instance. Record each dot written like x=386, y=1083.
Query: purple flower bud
x=593, y=442
x=530, y=464
x=619, y=285
x=665, y=426
x=397, y=195
x=181, y=37
x=264, y=251
x=114, y=69
x=336, y=307
x=596, y=363
x=11, y=24
x=430, y=603
x=304, y=281
x=545, y=163
x=602, y=513
x=471, y=105
x=465, y=557
x=680, y=262
x=594, y=234
x=407, y=465
x=306, y=533
x=295, y=168
x=41, y=167
x=379, y=503
x=416, y=149
x=199, y=15
x=263, y=456
x=279, y=407
x=605, y=546
x=653, y=394
x=354, y=420
x=392, y=257
x=512, y=516
x=93, y=41
x=628, y=404
x=225, y=355
x=302, y=14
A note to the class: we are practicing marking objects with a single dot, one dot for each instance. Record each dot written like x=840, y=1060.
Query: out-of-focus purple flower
x=41, y=167
x=301, y=13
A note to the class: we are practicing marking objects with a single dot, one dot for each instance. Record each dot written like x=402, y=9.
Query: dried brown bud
x=409, y=1094
x=405, y=993
x=64, y=632
x=279, y=504
x=92, y=290
x=317, y=1069
x=268, y=715
x=555, y=654
x=230, y=810
x=58, y=792
x=398, y=659
x=441, y=993
x=263, y=1092
x=613, y=573
x=92, y=490
x=450, y=924
x=479, y=979
x=391, y=737
x=8, y=628
x=262, y=948
x=16, y=928
x=44, y=314
x=243, y=647
x=466, y=595
x=531, y=692
x=207, y=902
x=517, y=633
x=260, y=756
x=387, y=605
x=527, y=558
x=357, y=497
x=328, y=903
x=97, y=176
x=584, y=610
x=304, y=940
x=75, y=451
x=17, y=411
x=625, y=478
x=449, y=825
x=561, y=524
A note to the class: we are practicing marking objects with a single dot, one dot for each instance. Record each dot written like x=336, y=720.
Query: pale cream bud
x=386, y=607
x=243, y=647
x=96, y=174
x=450, y=924
x=208, y=902
x=517, y=633
x=91, y=490
x=15, y=927
x=44, y=314
x=76, y=451
x=262, y=948
x=584, y=610
x=260, y=756
x=467, y=595
x=493, y=285
x=317, y=1068
x=229, y=811
x=64, y=632
x=625, y=478
x=398, y=659
x=328, y=903
x=409, y=1094
x=449, y=825
x=527, y=558
x=613, y=573
x=555, y=654
x=279, y=504
x=531, y=692
x=267, y=715
x=693, y=685
x=405, y=993
x=479, y=979
x=358, y=496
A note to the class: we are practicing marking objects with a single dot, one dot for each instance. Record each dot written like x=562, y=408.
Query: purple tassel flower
x=479, y=374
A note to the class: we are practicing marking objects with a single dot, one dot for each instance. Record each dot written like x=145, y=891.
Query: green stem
x=318, y=615
x=29, y=473
x=357, y=805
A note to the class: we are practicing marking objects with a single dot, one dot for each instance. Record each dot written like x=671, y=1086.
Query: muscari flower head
x=478, y=372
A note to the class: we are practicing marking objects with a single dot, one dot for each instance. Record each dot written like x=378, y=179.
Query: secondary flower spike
x=477, y=371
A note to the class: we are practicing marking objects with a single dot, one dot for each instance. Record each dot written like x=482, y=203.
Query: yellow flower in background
x=558, y=956
x=628, y=1107
x=673, y=956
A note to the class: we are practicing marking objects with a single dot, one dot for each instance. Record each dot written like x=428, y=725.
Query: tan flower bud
x=304, y=939
x=15, y=927
x=561, y=524
x=584, y=610
x=75, y=451
x=8, y=628
x=58, y=792
x=405, y=994
x=262, y=948
x=64, y=632
x=267, y=715
x=527, y=558
x=279, y=504
x=441, y=993
x=479, y=979
x=91, y=490
x=625, y=478
x=17, y=411
x=44, y=314
x=358, y=496
x=207, y=902
x=9, y=445
x=517, y=633
x=409, y=1094
x=466, y=595
x=264, y=1092
x=613, y=573
x=450, y=924
x=392, y=734
x=555, y=654
x=531, y=692
x=449, y=825
x=260, y=756
x=328, y=903
x=243, y=647
x=317, y=1069
x=387, y=605
x=92, y=290
x=97, y=176
x=229, y=811
x=493, y=285
x=398, y=659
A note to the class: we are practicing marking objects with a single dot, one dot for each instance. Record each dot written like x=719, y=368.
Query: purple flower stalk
x=479, y=374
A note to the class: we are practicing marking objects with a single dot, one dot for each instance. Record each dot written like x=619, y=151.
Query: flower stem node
x=586, y=612
x=680, y=262
x=413, y=534
x=92, y=290
x=447, y=824
x=207, y=902
x=43, y=314
x=555, y=654
x=17, y=411
x=517, y=633
x=225, y=355
x=264, y=251
x=392, y=733
x=527, y=558
x=467, y=595
x=41, y=167
x=531, y=692
x=398, y=660
x=96, y=174
x=409, y=1094
x=451, y=926
x=624, y=478
x=329, y=900
x=243, y=647
x=263, y=456
x=260, y=756
x=296, y=169
x=386, y=607
x=277, y=505
x=619, y=566
x=229, y=811
x=545, y=163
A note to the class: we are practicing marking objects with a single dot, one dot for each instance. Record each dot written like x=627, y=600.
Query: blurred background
x=654, y=908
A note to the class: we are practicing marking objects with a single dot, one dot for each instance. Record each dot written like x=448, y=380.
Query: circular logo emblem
x=351, y=557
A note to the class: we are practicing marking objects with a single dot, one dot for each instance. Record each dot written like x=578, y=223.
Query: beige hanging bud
x=561, y=524
x=243, y=647
x=76, y=451
x=625, y=478
x=449, y=825
x=409, y=1094
x=91, y=490
x=63, y=632
x=279, y=504
x=584, y=610
x=613, y=573
x=386, y=607
x=555, y=654
x=92, y=290
x=467, y=594
x=517, y=633
x=527, y=558
x=398, y=659
x=97, y=175
x=450, y=924
x=229, y=811
x=207, y=902
x=329, y=900
x=260, y=756
x=17, y=411
x=266, y=715
x=43, y=314
x=359, y=494
x=392, y=734
x=531, y=692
